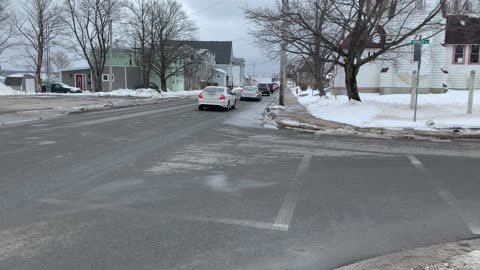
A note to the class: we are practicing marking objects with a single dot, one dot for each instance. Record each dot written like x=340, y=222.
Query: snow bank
x=8, y=91
x=447, y=110
x=144, y=93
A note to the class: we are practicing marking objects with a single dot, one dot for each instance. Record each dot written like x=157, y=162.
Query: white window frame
x=106, y=76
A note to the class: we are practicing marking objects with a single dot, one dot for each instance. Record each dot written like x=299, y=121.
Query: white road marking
x=472, y=221
x=127, y=116
x=198, y=218
x=440, y=140
x=415, y=162
x=285, y=214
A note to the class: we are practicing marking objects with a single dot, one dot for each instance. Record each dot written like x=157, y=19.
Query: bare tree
x=38, y=23
x=303, y=45
x=6, y=28
x=354, y=26
x=89, y=20
x=144, y=37
x=61, y=60
x=174, y=30
x=339, y=31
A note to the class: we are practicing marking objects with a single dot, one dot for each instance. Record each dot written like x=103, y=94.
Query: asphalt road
x=170, y=187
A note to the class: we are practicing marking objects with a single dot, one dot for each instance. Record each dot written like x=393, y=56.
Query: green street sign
x=420, y=42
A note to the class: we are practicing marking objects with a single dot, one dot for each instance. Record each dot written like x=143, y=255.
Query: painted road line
x=78, y=206
x=415, y=162
x=471, y=220
x=285, y=214
x=127, y=116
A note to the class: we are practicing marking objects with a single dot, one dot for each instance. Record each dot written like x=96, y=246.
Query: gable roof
x=462, y=30
x=223, y=50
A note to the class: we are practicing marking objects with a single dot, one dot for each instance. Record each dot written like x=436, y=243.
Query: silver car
x=216, y=96
x=251, y=93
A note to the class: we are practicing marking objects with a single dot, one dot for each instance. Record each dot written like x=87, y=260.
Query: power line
x=207, y=8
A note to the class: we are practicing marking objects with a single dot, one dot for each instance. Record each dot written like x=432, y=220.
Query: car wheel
x=241, y=99
x=228, y=107
x=68, y=92
x=200, y=108
x=268, y=94
x=234, y=105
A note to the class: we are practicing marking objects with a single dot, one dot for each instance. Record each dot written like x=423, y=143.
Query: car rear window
x=213, y=90
x=262, y=85
x=251, y=88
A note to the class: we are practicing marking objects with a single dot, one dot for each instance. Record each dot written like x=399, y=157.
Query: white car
x=251, y=92
x=217, y=96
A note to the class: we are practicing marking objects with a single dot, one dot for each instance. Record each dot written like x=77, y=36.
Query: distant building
x=224, y=59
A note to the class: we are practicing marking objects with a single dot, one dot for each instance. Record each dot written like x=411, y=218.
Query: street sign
x=420, y=42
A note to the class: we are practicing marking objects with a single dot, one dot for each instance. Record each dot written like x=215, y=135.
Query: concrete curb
x=431, y=258
x=284, y=122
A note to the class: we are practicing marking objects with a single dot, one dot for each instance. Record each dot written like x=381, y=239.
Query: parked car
x=60, y=88
x=148, y=86
x=264, y=89
x=251, y=92
x=217, y=96
x=272, y=87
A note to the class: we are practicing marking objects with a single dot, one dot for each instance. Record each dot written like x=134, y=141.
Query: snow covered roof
x=220, y=70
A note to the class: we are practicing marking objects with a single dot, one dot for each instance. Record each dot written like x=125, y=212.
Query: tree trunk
x=38, y=71
x=97, y=80
x=163, y=81
x=351, y=72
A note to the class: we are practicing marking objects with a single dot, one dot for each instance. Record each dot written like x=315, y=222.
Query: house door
x=80, y=81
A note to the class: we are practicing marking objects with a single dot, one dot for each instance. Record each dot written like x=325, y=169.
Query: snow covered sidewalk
x=464, y=255
x=435, y=111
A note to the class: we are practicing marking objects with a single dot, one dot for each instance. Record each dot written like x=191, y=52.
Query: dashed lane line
x=470, y=220
x=285, y=214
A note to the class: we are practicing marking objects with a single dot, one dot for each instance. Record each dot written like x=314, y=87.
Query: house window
x=304, y=74
x=468, y=6
x=474, y=54
x=420, y=5
x=458, y=54
x=105, y=77
x=417, y=52
x=456, y=6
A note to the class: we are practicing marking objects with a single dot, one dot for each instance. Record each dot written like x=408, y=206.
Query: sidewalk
x=295, y=116
x=463, y=255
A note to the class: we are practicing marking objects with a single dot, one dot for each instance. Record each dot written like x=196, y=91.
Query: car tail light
x=200, y=96
x=222, y=97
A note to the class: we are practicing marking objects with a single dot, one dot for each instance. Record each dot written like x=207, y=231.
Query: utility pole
x=110, y=69
x=253, y=78
x=283, y=59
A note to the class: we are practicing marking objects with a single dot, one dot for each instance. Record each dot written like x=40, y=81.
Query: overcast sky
x=224, y=20
x=218, y=20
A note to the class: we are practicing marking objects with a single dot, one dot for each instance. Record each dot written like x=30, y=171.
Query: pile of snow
x=8, y=91
x=447, y=110
x=183, y=93
x=145, y=93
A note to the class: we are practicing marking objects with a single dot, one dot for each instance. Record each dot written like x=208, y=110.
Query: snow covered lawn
x=435, y=111
x=143, y=93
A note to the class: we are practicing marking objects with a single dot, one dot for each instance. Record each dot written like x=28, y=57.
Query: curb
x=122, y=105
x=431, y=258
x=285, y=123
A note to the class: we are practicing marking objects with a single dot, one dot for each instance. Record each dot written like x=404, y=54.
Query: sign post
x=420, y=42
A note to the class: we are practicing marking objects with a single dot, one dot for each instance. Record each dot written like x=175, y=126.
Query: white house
x=445, y=63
